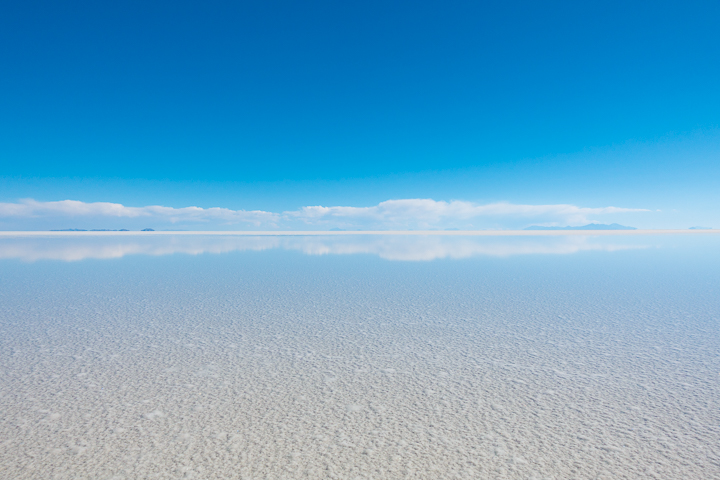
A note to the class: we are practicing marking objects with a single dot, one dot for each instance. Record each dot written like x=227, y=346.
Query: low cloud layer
x=75, y=209
x=389, y=215
x=427, y=213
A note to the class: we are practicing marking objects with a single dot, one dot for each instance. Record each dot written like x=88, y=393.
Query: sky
x=387, y=114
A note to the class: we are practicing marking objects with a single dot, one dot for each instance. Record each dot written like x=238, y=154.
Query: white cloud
x=391, y=214
x=73, y=208
x=431, y=213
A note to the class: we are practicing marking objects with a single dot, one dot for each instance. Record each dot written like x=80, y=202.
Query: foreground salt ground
x=274, y=365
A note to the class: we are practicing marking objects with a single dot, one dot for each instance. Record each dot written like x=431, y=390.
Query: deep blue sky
x=271, y=104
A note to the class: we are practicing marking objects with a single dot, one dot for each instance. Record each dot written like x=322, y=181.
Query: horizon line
x=38, y=233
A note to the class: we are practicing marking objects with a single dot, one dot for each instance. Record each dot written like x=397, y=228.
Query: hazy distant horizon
x=527, y=233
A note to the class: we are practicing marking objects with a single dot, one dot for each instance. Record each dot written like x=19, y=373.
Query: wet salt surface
x=602, y=363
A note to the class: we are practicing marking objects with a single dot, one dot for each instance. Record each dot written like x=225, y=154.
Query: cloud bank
x=389, y=215
x=73, y=208
x=430, y=213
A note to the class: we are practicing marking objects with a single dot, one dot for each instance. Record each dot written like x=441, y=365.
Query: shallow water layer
x=344, y=358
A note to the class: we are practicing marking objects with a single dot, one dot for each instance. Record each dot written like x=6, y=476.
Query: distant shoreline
x=468, y=233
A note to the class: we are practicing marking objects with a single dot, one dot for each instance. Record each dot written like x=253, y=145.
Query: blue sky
x=276, y=106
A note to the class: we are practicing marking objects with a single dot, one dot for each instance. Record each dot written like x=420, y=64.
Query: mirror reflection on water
x=389, y=247
x=359, y=356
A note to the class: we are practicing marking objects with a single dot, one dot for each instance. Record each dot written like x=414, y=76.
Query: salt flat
x=384, y=357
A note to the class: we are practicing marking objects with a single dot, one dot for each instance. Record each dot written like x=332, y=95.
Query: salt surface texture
x=267, y=363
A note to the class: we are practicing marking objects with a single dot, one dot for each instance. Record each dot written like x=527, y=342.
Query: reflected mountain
x=389, y=247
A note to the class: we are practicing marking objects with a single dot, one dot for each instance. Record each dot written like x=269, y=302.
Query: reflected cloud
x=437, y=247
x=389, y=247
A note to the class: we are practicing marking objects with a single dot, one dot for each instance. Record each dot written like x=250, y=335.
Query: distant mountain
x=700, y=228
x=93, y=230
x=590, y=226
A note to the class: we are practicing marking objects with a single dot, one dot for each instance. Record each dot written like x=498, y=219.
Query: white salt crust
x=265, y=365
